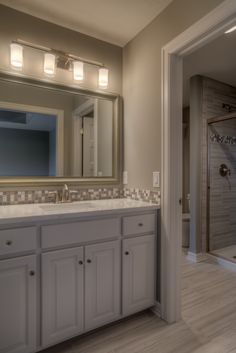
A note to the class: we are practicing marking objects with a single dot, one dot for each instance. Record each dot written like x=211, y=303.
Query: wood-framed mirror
x=52, y=134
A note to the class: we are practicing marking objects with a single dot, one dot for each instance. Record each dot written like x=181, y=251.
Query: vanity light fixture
x=103, y=77
x=58, y=59
x=16, y=55
x=78, y=69
x=49, y=63
x=232, y=29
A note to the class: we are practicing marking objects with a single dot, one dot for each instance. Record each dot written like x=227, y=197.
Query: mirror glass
x=49, y=132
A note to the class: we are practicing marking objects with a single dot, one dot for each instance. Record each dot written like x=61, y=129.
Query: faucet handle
x=54, y=194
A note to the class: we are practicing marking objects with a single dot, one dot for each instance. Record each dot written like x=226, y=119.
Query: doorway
x=202, y=32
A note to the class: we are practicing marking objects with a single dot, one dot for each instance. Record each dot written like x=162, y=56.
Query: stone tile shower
x=222, y=187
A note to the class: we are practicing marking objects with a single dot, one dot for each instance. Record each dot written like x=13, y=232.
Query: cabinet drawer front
x=144, y=223
x=17, y=240
x=79, y=232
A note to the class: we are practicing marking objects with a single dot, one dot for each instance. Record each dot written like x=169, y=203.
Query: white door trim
x=203, y=31
x=59, y=129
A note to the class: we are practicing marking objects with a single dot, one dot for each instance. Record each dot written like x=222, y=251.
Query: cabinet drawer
x=144, y=223
x=17, y=240
x=80, y=232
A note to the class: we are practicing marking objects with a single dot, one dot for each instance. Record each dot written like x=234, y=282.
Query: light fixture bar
x=58, y=53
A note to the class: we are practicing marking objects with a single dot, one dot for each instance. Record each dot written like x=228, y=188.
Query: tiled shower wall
x=214, y=95
x=14, y=197
x=222, y=206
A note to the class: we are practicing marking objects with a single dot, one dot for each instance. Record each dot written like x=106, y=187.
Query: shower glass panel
x=222, y=188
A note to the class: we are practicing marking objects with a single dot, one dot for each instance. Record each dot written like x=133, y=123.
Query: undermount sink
x=66, y=206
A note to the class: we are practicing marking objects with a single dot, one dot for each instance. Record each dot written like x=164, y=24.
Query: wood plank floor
x=208, y=324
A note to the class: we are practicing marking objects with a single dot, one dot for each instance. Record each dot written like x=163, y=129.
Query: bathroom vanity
x=70, y=268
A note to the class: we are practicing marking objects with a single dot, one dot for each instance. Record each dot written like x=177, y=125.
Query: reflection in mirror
x=51, y=132
x=92, y=120
x=27, y=144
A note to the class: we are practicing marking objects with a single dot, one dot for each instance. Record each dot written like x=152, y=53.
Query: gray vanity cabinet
x=18, y=305
x=138, y=273
x=62, y=294
x=65, y=299
x=91, y=270
x=102, y=283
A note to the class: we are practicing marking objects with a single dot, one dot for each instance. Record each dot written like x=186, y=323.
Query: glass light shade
x=78, y=67
x=16, y=55
x=49, y=63
x=103, y=78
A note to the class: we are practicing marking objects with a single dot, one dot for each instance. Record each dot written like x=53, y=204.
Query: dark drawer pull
x=126, y=252
x=32, y=273
x=80, y=262
x=9, y=242
x=89, y=261
x=140, y=224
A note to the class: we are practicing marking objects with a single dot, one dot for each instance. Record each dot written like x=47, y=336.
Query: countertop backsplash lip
x=38, y=196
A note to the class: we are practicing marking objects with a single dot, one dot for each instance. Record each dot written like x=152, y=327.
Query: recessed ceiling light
x=232, y=29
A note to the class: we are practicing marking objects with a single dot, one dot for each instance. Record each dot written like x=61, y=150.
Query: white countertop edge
x=34, y=212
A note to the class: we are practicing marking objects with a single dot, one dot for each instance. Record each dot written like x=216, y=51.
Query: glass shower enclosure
x=222, y=187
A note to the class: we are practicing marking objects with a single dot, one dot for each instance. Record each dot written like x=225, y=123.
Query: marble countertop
x=49, y=211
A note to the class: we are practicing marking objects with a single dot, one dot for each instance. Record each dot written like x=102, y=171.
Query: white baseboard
x=157, y=309
x=199, y=257
x=223, y=262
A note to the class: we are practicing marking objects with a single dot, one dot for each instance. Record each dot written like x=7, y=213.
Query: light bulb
x=78, y=67
x=49, y=63
x=103, y=77
x=16, y=55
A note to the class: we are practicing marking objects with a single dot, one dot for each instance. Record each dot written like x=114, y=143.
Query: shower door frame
x=210, y=121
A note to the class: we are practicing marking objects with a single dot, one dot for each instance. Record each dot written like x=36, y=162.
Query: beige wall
x=142, y=87
x=14, y=25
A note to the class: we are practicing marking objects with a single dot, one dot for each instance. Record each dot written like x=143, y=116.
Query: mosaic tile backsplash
x=142, y=194
x=44, y=196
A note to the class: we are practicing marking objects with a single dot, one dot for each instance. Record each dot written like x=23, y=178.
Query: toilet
x=186, y=226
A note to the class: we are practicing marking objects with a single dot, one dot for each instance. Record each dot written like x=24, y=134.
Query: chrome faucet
x=65, y=195
x=62, y=196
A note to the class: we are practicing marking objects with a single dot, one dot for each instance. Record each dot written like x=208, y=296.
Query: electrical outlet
x=125, y=177
x=156, y=179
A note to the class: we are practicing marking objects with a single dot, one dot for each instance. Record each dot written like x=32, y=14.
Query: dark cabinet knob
x=89, y=261
x=32, y=273
x=8, y=242
x=140, y=224
x=126, y=252
x=80, y=262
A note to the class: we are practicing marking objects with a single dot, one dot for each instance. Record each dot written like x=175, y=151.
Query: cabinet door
x=138, y=273
x=102, y=283
x=62, y=295
x=18, y=305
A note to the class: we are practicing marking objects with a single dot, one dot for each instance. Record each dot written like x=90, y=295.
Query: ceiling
x=216, y=60
x=114, y=21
